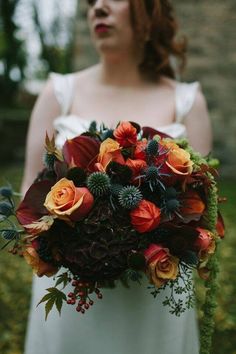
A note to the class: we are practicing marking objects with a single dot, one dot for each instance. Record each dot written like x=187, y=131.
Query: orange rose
x=178, y=160
x=109, y=151
x=146, y=217
x=68, y=202
x=39, y=266
x=139, y=152
x=125, y=134
x=168, y=144
x=161, y=265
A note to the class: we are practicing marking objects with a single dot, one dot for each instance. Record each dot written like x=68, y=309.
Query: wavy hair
x=156, y=27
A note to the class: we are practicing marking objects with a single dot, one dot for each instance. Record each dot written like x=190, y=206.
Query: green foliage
x=54, y=297
x=12, y=52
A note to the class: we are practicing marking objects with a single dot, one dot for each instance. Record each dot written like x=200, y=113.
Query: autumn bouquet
x=118, y=205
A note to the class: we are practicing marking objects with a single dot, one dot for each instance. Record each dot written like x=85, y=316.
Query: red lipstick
x=102, y=28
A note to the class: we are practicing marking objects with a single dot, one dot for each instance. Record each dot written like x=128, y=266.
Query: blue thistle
x=99, y=183
x=6, y=192
x=171, y=193
x=93, y=127
x=116, y=188
x=5, y=209
x=107, y=134
x=49, y=160
x=10, y=234
x=130, y=197
x=172, y=205
x=152, y=148
x=152, y=173
x=152, y=176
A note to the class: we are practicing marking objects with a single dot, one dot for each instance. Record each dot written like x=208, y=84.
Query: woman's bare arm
x=41, y=121
x=198, y=125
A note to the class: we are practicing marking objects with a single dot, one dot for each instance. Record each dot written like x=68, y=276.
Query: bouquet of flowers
x=118, y=205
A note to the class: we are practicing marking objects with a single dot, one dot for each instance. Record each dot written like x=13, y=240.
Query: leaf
x=44, y=298
x=62, y=278
x=54, y=297
x=48, y=307
x=59, y=302
x=31, y=208
x=80, y=151
x=51, y=147
x=38, y=226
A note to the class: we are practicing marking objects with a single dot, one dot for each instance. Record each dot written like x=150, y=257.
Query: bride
x=134, y=80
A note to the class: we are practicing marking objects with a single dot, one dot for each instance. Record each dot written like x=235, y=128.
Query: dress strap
x=184, y=99
x=63, y=88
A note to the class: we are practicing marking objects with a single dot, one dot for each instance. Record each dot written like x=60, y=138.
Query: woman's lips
x=102, y=28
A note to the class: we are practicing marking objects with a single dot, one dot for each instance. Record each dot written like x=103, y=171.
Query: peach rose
x=146, y=217
x=39, y=266
x=178, y=160
x=68, y=202
x=161, y=265
x=109, y=151
x=125, y=134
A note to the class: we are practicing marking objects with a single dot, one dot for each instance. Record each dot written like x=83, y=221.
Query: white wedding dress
x=125, y=321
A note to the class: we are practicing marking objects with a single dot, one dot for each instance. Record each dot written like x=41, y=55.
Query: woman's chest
x=148, y=107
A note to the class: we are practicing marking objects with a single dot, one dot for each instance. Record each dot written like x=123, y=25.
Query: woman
x=133, y=81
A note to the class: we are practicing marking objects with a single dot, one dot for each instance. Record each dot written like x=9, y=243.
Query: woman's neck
x=119, y=71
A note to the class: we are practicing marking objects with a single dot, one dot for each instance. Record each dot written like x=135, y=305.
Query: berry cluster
x=81, y=295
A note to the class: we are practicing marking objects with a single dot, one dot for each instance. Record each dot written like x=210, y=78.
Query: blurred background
x=40, y=36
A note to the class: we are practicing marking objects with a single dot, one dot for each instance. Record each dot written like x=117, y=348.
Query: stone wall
x=210, y=26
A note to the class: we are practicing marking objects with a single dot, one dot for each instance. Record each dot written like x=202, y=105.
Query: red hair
x=156, y=27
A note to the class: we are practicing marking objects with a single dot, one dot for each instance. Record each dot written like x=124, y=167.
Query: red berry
x=86, y=306
x=82, y=311
x=68, y=302
x=78, y=308
x=91, y=302
x=74, y=283
x=72, y=301
x=81, y=293
x=70, y=295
